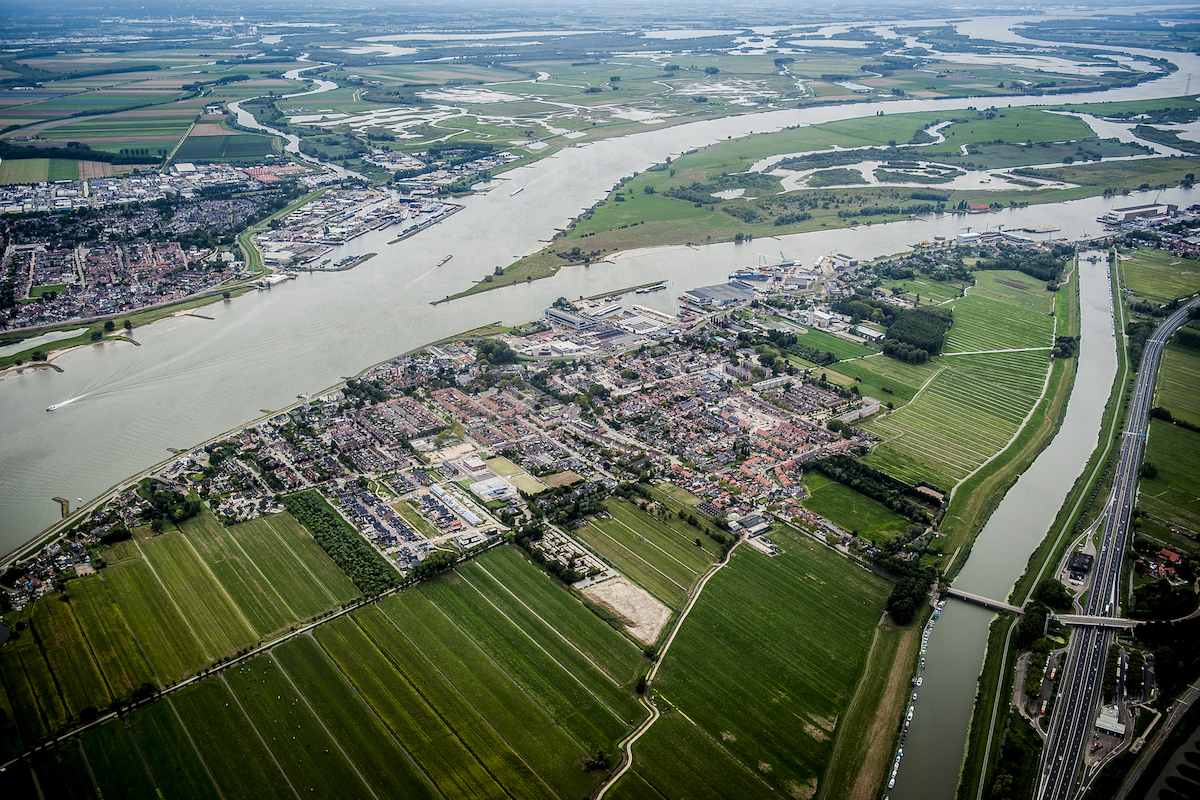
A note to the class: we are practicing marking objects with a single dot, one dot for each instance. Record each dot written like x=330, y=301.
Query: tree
x=127, y=325
x=110, y=326
x=711, y=70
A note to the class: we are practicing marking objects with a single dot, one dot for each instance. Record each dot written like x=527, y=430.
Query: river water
x=193, y=377
x=933, y=750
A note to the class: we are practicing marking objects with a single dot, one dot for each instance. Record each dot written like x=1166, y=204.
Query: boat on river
x=444, y=260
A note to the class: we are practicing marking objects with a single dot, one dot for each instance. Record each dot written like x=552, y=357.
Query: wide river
x=194, y=377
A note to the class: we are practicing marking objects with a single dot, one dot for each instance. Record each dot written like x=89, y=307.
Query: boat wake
x=53, y=406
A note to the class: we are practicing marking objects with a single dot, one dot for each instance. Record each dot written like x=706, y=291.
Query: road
x=1076, y=709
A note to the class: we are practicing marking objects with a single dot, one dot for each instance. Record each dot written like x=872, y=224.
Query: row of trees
x=345, y=546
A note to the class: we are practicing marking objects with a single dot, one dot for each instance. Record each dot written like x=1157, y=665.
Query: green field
x=1177, y=381
x=172, y=759
x=526, y=727
x=228, y=743
x=929, y=290
x=428, y=738
x=779, y=715
x=10, y=735
x=113, y=758
x=383, y=763
x=572, y=703
x=849, y=509
x=883, y=378
x=666, y=562
x=70, y=659
x=841, y=348
x=62, y=772
x=1159, y=275
x=225, y=148
x=109, y=637
x=312, y=761
x=1171, y=496
x=37, y=706
x=208, y=607
x=503, y=467
x=167, y=641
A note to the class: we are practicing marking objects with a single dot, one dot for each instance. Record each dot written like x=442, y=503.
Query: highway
x=1077, y=707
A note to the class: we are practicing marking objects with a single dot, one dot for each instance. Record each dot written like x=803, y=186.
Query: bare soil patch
x=561, y=479
x=644, y=617
x=209, y=129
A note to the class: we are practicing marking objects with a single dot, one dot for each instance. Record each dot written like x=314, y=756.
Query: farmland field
x=1177, y=382
x=883, y=378
x=662, y=560
x=812, y=337
x=1171, y=495
x=33, y=170
x=227, y=742
x=308, y=756
x=986, y=323
x=745, y=624
x=204, y=602
x=525, y=726
x=175, y=763
x=114, y=761
x=30, y=686
x=387, y=768
x=10, y=736
x=677, y=759
x=75, y=671
x=434, y=746
x=305, y=548
x=238, y=574
x=1157, y=275
x=572, y=703
x=62, y=773
x=481, y=739
x=851, y=510
x=112, y=643
x=225, y=148
x=170, y=646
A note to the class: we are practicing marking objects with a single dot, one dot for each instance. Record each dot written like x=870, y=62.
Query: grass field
x=10, y=735
x=434, y=746
x=1158, y=275
x=1171, y=495
x=834, y=344
x=75, y=671
x=206, y=604
x=228, y=743
x=745, y=625
x=312, y=761
x=109, y=637
x=1177, y=382
x=929, y=290
x=115, y=763
x=169, y=644
x=677, y=759
x=383, y=763
x=571, y=703
x=503, y=467
x=62, y=772
x=524, y=725
x=851, y=510
x=225, y=148
x=35, y=170
x=177, y=767
x=36, y=703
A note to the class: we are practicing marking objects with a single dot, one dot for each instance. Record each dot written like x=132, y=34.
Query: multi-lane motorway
x=1076, y=709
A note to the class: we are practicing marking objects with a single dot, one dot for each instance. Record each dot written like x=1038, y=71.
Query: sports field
x=1158, y=275
x=745, y=625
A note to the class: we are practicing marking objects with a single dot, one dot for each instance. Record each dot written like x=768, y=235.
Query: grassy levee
x=1082, y=504
x=239, y=763
x=62, y=773
x=308, y=756
x=114, y=759
x=248, y=586
x=112, y=643
x=739, y=657
x=303, y=574
x=523, y=724
x=863, y=755
x=170, y=647
x=606, y=688
x=441, y=754
x=30, y=685
x=567, y=700
x=500, y=761
x=677, y=759
x=66, y=650
x=209, y=609
x=175, y=763
x=613, y=652
x=388, y=769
